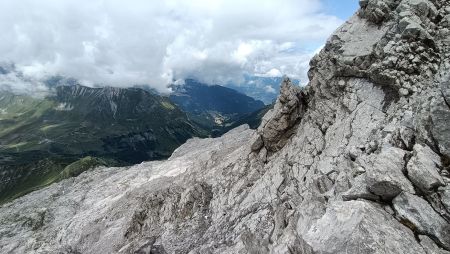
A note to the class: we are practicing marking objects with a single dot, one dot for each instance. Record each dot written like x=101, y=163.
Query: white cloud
x=272, y=73
x=122, y=43
x=270, y=89
x=17, y=84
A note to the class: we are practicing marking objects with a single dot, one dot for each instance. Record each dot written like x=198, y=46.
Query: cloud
x=123, y=43
x=13, y=81
x=270, y=89
x=272, y=73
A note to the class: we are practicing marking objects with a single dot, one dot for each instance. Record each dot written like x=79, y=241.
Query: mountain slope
x=265, y=89
x=253, y=120
x=212, y=105
x=123, y=126
x=357, y=162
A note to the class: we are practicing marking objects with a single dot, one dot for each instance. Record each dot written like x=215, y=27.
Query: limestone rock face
x=355, y=162
x=441, y=117
x=419, y=214
x=445, y=197
x=277, y=126
x=385, y=177
x=423, y=169
x=430, y=247
x=348, y=227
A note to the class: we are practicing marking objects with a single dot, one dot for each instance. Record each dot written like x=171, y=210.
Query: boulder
x=430, y=246
x=359, y=190
x=420, y=216
x=421, y=8
x=360, y=227
x=375, y=11
x=422, y=169
x=385, y=176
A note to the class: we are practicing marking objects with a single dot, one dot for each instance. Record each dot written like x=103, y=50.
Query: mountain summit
x=355, y=162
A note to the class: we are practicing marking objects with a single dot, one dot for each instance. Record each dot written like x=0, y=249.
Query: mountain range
x=265, y=89
x=212, y=106
x=39, y=137
x=74, y=128
x=357, y=161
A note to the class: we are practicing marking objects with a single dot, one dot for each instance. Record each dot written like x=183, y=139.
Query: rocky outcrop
x=430, y=247
x=356, y=162
x=348, y=227
x=385, y=177
x=423, y=169
x=421, y=217
x=278, y=124
x=440, y=115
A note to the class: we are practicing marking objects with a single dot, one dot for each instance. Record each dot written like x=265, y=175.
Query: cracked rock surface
x=355, y=162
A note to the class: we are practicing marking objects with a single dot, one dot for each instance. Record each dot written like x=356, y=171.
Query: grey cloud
x=13, y=81
x=123, y=43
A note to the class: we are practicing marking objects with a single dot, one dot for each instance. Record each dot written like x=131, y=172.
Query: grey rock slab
x=440, y=114
x=445, y=197
x=360, y=227
x=360, y=37
x=359, y=190
x=385, y=177
x=376, y=10
x=417, y=213
x=422, y=8
x=423, y=170
x=430, y=246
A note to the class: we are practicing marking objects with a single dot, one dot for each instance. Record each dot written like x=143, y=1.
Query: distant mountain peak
x=212, y=105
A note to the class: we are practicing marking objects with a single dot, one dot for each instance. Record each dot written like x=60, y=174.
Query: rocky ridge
x=356, y=162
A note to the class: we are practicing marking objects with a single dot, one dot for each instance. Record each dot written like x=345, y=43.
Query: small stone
x=407, y=136
x=371, y=147
x=263, y=154
x=389, y=210
x=257, y=144
x=354, y=153
x=359, y=190
x=360, y=170
x=404, y=91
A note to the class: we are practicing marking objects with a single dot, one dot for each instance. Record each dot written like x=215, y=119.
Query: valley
x=76, y=128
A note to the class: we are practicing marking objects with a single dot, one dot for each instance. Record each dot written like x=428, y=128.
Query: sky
x=141, y=42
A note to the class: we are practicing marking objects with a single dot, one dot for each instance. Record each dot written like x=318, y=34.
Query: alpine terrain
x=213, y=107
x=43, y=140
x=355, y=162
